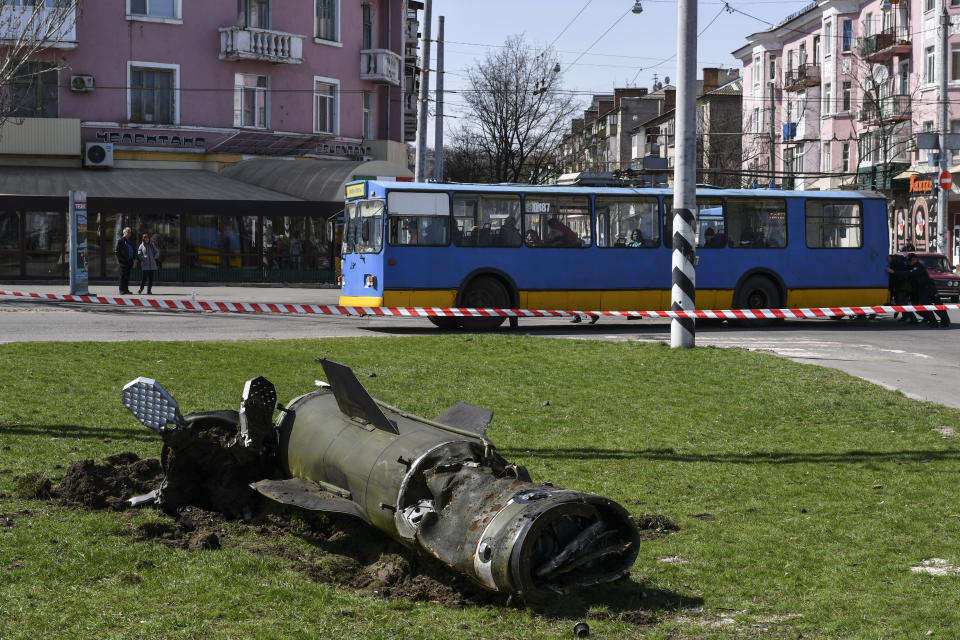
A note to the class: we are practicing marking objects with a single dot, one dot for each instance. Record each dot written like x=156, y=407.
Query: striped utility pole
x=683, y=291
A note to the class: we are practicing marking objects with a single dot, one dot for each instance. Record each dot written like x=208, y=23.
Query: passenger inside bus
x=560, y=235
x=636, y=238
x=713, y=240
x=509, y=233
x=533, y=239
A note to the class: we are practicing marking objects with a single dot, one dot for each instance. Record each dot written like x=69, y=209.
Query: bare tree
x=28, y=28
x=517, y=112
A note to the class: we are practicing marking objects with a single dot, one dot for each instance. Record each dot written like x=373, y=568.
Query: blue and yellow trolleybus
x=604, y=249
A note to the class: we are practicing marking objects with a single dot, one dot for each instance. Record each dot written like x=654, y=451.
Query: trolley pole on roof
x=683, y=290
x=419, y=170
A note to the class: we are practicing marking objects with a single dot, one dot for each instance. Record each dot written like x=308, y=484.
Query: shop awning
x=311, y=180
x=133, y=184
x=906, y=174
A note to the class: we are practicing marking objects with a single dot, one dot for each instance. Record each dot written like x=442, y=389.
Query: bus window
x=364, y=227
x=416, y=218
x=486, y=221
x=625, y=222
x=709, y=210
x=757, y=223
x=557, y=221
x=834, y=225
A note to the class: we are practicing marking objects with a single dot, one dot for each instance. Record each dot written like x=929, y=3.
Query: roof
x=148, y=184
x=615, y=191
x=312, y=180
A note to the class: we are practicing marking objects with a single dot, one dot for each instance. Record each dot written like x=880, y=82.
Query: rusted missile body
x=440, y=487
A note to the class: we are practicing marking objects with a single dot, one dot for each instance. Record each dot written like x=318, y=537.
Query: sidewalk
x=213, y=293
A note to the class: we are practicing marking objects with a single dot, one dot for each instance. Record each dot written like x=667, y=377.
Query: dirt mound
x=194, y=529
x=654, y=524
x=32, y=486
x=109, y=484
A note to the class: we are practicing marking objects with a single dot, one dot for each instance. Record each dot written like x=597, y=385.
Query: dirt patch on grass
x=110, y=483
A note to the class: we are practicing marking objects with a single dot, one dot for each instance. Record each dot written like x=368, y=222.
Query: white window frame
x=131, y=65
x=827, y=106
x=336, y=104
x=826, y=157
x=140, y=17
x=338, y=41
x=955, y=63
x=846, y=96
x=239, y=93
x=827, y=41
x=930, y=66
x=369, y=114
x=846, y=46
x=845, y=157
x=757, y=70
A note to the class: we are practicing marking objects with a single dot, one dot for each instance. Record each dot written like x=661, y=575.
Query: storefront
x=915, y=214
x=209, y=227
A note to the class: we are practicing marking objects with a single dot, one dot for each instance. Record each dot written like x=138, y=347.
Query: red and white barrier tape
x=438, y=312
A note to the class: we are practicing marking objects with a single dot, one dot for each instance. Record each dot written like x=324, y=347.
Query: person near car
x=900, y=286
x=926, y=291
x=125, y=252
x=149, y=258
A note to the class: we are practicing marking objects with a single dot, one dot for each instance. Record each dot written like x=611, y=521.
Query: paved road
x=922, y=363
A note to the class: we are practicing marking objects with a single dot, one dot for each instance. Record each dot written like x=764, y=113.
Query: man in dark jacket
x=926, y=290
x=900, y=286
x=125, y=252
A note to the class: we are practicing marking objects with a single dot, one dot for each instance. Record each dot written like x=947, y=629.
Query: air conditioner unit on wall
x=98, y=155
x=81, y=83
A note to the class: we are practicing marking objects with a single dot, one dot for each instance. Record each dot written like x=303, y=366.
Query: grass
x=803, y=495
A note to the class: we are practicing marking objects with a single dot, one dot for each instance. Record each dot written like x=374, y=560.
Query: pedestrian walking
x=900, y=286
x=149, y=258
x=926, y=292
x=125, y=253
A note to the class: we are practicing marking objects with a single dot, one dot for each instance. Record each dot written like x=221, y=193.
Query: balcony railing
x=55, y=25
x=886, y=44
x=806, y=75
x=887, y=109
x=265, y=45
x=380, y=65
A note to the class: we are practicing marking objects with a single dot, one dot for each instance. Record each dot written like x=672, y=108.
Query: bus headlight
x=370, y=281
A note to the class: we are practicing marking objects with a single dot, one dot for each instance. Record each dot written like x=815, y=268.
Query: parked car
x=942, y=273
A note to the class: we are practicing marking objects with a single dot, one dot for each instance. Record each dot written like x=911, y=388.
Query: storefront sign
x=921, y=218
x=77, y=242
x=135, y=138
x=922, y=185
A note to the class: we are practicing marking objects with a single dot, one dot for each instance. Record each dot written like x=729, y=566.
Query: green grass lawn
x=803, y=496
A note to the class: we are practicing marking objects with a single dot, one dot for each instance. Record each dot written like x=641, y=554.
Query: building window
x=827, y=99
x=368, y=131
x=929, y=65
x=847, y=36
x=803, y=53
x=328, y=19
x=773, y=66
x=250, y=101
x=846, y=96
x=367, y=34
x=325, y=105
x=825, y=156
x=798, y=159
x=955, y=128
x=816, y=49
x=254, y=14
x=153, y=9
x=828, y=38
x=757, y=124
x=955, y=62
x=34, y=92
x=868, y=25
x=757, y=71
x=929, y=5
x=153, y=94
x=845, y=157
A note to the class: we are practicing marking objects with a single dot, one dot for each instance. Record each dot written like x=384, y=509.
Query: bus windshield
x=363, y=227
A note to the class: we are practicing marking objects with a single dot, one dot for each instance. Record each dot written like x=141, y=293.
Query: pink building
x=226, y=93
x=835, y=95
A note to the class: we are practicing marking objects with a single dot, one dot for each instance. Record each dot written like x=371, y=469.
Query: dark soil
x=110, y=483
x=32, y=486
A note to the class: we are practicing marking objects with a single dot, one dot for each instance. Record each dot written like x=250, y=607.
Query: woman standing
x=149, y=258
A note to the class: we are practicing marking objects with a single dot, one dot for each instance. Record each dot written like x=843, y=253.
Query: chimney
x=669, y=99
x=632, y=92
x=711, y=79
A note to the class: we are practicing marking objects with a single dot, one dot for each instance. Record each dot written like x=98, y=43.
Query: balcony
x=264, y=45
x=411, y=31
x=881, y=47
x=887, y=110
x=56, y=26
x=806, y=75
x=381, y=66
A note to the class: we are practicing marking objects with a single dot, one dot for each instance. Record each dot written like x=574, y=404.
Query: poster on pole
x=77, y=234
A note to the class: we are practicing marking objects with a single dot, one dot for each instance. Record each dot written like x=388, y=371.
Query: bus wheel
x=757, y=292
x=484, y=293
x=445, y=322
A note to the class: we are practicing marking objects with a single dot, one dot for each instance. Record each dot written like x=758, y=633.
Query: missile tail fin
x=466, y=416
x=298, y=492
x=352, y=398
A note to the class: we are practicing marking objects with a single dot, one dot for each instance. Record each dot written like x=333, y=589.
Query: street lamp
x=637, y=7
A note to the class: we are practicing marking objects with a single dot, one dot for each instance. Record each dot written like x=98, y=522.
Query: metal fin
x=298, y=492
x=258, y=402
x=152, y=405
x=352, y=398
x=466, y=416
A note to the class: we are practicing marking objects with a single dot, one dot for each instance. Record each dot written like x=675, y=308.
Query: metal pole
x=772, y=85
x=438, y=123
x=943, y=194
x=421, y=161
x=683, y=291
